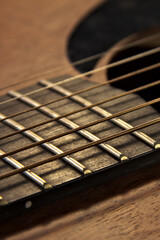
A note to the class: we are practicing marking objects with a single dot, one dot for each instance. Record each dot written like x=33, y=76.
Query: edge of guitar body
x=97, y=178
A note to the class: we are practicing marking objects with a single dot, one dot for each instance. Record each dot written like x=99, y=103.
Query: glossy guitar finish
x=121, y=209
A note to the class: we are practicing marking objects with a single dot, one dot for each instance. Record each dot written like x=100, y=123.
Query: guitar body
x=37, y=36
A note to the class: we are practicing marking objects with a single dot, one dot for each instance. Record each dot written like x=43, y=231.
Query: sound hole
x=140, y=79
x=109, y=23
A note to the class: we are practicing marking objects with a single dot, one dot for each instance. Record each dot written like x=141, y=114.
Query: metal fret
x=36, y=138
x=101, y=112
x=2, y=201
x=47, y=111
x=31, y=175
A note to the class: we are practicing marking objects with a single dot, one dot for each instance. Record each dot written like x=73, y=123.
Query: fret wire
x=84, y=126
x=2, y=201
x=109, y=66
x=31, y=175
x=103, y=113
x=52, y=148
x=131, y=74
x=69, y=124
x=23, y=130
x=84, y=60
x=146, y=86
x=83, y=147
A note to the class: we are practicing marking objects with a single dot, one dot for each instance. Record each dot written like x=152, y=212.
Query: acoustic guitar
x=80, y=119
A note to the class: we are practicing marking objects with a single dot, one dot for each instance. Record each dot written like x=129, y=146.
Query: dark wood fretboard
x=82, y=169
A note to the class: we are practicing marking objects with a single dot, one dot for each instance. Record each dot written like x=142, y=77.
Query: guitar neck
x=46, y=126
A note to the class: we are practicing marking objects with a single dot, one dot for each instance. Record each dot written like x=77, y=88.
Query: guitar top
x=79, y=116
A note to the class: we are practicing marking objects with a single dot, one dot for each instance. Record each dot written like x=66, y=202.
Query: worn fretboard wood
x=92, y=159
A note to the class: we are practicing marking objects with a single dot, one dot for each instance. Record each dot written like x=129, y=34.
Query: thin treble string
x=131, y=74
x=81, y=127
x=81, y=148
x=146, y=86
x=88, y=59
x=111, y=65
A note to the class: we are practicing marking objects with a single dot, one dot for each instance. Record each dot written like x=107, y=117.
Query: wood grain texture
x=33, y=38
x=126, y=209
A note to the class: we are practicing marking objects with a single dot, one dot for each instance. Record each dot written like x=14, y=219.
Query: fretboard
x=37, y=135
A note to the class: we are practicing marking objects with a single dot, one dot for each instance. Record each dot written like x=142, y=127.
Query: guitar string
x=48, y=186
x=70, y=124
x=97, y=109
x=140, y=106
x=122, y=157
x=131, y=74
x=30, y=175
x=152, y=103
x=78, y=62
x=108, y=66
x=88, y=59
x=49, y=146
x=143, y=87
x=52, y=148
x=91, y=124
x=81, y=148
